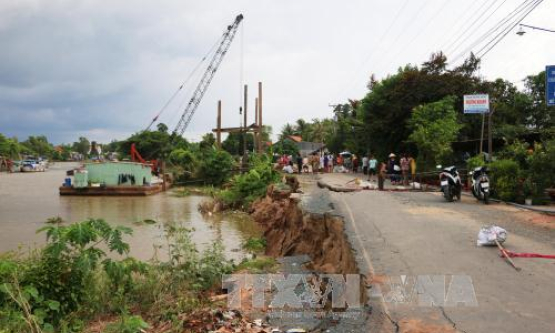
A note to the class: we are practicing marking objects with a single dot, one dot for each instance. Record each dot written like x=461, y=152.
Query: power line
x=536, y=4
x=460, y=32
x=378, y=44
x=462, y=19
x=479, y=26
x=407, y=46
x=478, y=18
x=412, y=20
x=493, y=29
x=387, y=31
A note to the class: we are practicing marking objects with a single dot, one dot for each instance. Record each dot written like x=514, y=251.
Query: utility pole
x=219, y=126
x=335, y=118
x=245, y=153
x=482, y=134
x=257, y=130
x=259, y=103
x=490, y=133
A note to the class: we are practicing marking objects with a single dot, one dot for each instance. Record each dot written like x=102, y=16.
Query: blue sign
x=550, y=85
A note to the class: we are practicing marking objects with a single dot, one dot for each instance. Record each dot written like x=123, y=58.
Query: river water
x=28, y=199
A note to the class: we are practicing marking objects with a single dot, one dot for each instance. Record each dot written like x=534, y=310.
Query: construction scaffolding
x=256, y=128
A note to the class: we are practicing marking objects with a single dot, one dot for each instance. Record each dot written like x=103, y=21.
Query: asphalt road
x=401, y=238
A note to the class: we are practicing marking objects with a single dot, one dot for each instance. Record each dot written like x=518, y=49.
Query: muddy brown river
x=28, y=199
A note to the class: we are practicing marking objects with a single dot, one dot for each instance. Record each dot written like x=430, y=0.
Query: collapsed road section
x=299, y=226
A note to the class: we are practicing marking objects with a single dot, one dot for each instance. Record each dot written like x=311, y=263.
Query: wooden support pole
x=482, y=135
x=219, y=126
x=490, y=134
x=259, y=118
x=256, y=111
x=245, y=102
x=257, y=132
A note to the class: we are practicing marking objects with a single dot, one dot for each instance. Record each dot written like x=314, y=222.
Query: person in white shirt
x=372, y=165
x=365, y=165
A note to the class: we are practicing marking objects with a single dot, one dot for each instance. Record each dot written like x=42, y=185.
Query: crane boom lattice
x=207, y=77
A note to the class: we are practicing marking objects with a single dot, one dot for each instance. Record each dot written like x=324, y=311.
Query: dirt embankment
x=290, y=231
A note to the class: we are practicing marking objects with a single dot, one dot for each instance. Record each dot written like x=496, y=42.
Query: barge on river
x=113, y=178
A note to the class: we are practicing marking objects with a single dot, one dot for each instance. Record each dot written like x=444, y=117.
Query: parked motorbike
x=451, y=185
x=480, y=184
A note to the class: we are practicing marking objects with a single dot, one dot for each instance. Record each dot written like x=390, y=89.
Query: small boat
x=33, y=166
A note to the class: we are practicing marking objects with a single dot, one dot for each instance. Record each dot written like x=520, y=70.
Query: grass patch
x=258, y=265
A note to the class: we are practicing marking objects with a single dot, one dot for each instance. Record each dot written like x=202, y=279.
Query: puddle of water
x=28, y=199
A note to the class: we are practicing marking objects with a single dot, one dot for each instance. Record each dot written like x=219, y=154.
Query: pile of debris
x=219, y=320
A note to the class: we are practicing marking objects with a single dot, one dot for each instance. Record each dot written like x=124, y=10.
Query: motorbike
x=480, y=184
x=451, y=185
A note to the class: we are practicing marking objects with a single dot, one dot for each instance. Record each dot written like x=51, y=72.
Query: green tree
x=216, y=167
x=287, y=130
x=82, y=146
x=303, y=129
x=233, y=144
x=208, y=141
x=434, y=126
x=386, y=109
x=318, y=130
x=184, y=160
x=153, y=144
x=10, y=148
x=39, y=146
x=286, y=147
x=161, y=127
x=542, y=117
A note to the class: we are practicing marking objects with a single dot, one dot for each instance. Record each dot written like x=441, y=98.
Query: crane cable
x=178, y=90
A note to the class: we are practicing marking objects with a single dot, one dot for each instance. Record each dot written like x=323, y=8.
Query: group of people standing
x=402, y=170
x=399, y=171
x=308, y=164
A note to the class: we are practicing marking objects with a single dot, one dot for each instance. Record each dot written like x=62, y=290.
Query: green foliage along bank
x=85, y=272
x=245, y=188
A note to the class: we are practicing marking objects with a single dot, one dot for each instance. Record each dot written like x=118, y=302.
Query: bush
x=541, y=170
x=517, y=151
x=216, y=166
x=72, y=280
x=504, y=175
x=248, y=187
x=184, y=161
x=475, y=162
x=127, y=324
x=255, y=245
x=41, y=291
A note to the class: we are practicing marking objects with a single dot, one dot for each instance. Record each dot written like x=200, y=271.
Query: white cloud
x=104, y=68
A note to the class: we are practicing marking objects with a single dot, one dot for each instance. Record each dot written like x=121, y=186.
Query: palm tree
x=318, y=130
x=304, y=129
x=286, y=131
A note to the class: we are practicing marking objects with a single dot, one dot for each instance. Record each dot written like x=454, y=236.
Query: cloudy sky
x=103, y=69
